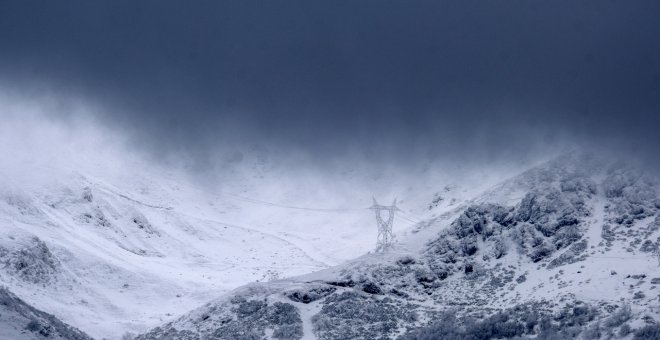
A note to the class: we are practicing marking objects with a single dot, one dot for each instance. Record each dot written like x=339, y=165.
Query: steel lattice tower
x=385, y=236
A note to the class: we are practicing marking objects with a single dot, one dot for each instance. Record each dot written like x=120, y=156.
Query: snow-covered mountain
x=107, y=258
x=568, y=249
x=112, y=244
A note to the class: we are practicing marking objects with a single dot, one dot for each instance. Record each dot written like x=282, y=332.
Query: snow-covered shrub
x=35, y=326
x=469, y=245
x=353, y=315
x=577, y=314
x=283, y=313
x=593, y=332
x=624, y=330
x=631, y=194
x=649, y=332
x=442, y=271
x=33, y=263
x=248, y=319
x=573, y=254
x=648, y=247
x=540, y=252
x=566, y=236
x=526, y=321
x=251, y=309
x=288, y=331
x=286, y=319
x=499, y=247
x=578, y=184
x=245, y=316
x=445, y=327
x=422, y=274
x=619, y=317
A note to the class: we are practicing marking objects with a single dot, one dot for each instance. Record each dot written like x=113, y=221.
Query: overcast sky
x=389, y=80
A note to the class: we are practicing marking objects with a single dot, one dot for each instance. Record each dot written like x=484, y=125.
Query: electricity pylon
x=385, y=236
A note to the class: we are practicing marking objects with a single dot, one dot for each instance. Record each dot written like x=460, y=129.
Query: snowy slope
x=113, y=250
x=20, y=321
x=565, y=250
x=104, y=258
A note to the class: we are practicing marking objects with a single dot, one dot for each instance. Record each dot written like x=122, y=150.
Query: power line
x=620, y=257
x=411, y=215
x=405, y=216
x=407, y=219
x=271, y=204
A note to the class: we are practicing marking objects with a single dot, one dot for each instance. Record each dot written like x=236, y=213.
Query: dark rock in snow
x=348, y=283
x=371, y=288
x=310, y=295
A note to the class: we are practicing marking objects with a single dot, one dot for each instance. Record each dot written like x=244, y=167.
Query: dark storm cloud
x=388, y=78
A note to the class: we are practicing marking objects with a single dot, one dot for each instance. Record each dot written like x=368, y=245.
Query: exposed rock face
x=542, y=223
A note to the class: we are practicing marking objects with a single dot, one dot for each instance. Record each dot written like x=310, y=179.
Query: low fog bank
x=48, y=138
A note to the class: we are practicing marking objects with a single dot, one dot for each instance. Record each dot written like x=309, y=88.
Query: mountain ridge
x=486, y=259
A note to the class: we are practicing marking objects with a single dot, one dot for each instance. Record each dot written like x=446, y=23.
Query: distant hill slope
x=565, y=250
x=20, y=321
x=123, y=250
